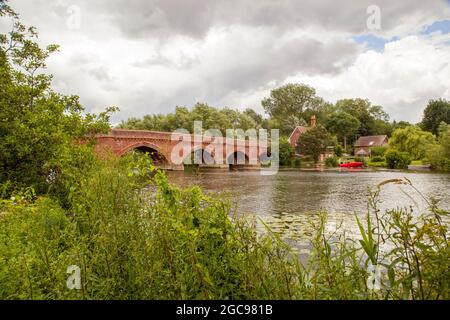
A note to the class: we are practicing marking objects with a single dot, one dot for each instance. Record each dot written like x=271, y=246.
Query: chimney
x=312, y=121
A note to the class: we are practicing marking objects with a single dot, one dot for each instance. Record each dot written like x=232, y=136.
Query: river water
x=286, y=201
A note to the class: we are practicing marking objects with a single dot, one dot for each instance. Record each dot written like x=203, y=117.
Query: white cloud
x=149, y=56
x=402, y=79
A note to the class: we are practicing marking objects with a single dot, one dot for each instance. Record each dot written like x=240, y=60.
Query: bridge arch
x=162, y=144
x=200, y=156
x=237, y=158
x=265, y=157
x=155, y=152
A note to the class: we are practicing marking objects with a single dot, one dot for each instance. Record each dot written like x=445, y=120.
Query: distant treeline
x=289, y=106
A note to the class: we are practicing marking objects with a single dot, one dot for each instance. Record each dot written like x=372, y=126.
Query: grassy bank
x=180, y=244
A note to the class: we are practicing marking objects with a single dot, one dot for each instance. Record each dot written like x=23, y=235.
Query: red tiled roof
x=371, y=141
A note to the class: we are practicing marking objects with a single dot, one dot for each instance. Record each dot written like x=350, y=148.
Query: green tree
x=257, y=118
x=397, y=160
x=400, y=124
x=373, y=120
x=315, y=141
x=437, y=111
x=36, y=123
x=343, y=125
x=287, y=105
x=378, y=151
x=332, y=162
x=212, y=118
x=438, y=155
x=412, y=140
x=286, y=151
x=338, y=150
x=444, y=138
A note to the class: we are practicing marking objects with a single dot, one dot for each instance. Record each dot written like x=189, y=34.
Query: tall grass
x=136, y=236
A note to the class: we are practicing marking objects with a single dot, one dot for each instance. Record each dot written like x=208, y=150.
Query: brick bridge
x=164, y=147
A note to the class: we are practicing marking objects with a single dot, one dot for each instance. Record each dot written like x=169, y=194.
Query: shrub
x=361, y=159
x=296, y=162
x=438, y=155
x=169, y=243
x=437, y=159
x=166, y=243
x=286, y=152
x=377, y=159
x=397, y=160
x=378, y=151
x=332, y=162
x=412, y=140
x=338, y=150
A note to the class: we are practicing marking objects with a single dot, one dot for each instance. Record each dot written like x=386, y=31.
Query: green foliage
x=361, y=159
x=169, y=243
x=397, y=160
x=412, y=140
x=400, y=124
x=378, y=151
x=444, y=138
x=212, y=118
x=288, y=106
x=343, y=125
x=177, y=244
x=296, y=162
x=315, y=141
x=438, y=155
x=437, y=111
x=286, y=152
x=36, y=123
x=338, y=150
x=136, y=236
x=377, y=159
x=372, y=119
x=377, y=164
x=332, y=162
x=418, y=244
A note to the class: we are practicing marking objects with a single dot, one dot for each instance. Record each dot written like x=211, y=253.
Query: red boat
x=354, y=164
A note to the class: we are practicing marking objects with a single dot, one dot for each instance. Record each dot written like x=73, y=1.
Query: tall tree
x=286, y=151
x=287, y=105
x=444, y=138
x=257, y=118
x=212, y=118
x=371, y=117
x=412, y=140
x=343, y=125
x=438, y=155
x=36, y=123
x=437, y=111
x=315, y=141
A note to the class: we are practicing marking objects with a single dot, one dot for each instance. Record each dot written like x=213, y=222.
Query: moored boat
x=354, y=164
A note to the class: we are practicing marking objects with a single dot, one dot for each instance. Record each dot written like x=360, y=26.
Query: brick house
x=299, y=130
x=364, y=144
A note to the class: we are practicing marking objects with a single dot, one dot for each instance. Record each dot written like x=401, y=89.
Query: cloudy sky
x=148, y=56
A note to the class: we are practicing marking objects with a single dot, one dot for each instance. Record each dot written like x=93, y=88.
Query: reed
x=136, y=236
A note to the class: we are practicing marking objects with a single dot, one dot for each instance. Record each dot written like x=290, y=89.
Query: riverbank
x=167, y=242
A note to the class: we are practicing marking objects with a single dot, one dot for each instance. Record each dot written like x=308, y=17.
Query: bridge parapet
x=119, y=141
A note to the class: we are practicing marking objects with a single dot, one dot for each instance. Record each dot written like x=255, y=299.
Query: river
x=287, y=200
